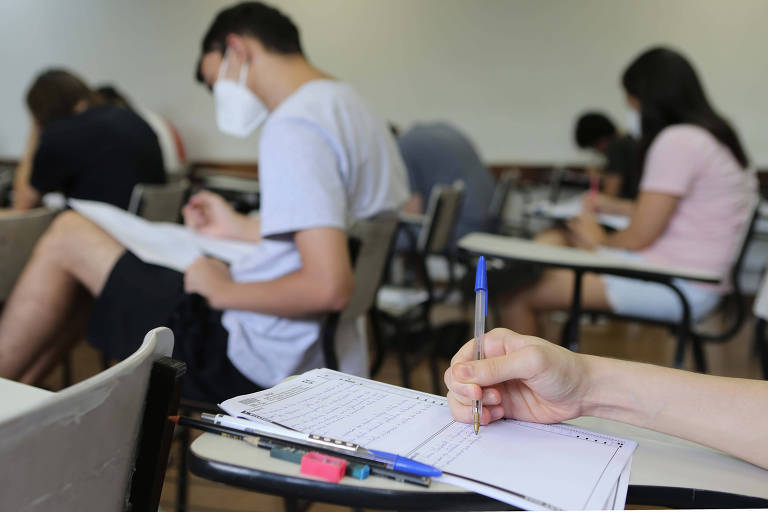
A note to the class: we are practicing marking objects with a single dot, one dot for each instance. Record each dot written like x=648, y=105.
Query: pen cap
x=481, y=282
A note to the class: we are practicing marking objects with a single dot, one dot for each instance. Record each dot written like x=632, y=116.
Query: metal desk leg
x=572, y=337
x=762, y=345
x=683, y=333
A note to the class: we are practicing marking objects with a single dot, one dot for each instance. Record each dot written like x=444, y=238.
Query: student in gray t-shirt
x=325, y=160
x=438, y=153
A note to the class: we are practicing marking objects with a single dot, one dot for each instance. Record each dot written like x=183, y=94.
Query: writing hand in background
x=209, y=214
x=585, y=232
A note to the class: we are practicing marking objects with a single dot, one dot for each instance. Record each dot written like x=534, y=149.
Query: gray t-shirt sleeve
x=300, y=179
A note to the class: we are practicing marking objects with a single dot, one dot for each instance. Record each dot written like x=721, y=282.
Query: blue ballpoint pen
x=481, y=311
x=388, y=460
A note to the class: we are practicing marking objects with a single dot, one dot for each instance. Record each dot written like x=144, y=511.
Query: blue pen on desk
x=481, y=311
x=385, y=459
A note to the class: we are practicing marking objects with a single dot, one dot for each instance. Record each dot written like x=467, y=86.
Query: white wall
x=512, y=73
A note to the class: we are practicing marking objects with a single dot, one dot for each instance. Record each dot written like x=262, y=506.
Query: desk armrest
x=517, y=249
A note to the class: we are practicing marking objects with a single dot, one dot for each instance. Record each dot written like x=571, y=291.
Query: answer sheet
x=529, y=465
x=160, y=243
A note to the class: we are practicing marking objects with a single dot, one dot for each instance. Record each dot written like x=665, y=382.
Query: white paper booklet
x=569, y=208
x=161, y=243
x=528, y=465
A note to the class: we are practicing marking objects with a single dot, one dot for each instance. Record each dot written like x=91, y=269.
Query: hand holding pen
x=481, y=311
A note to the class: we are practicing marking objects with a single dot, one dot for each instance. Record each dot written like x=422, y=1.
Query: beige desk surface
x=659, y=460
x=520, y=249
x=15, y=397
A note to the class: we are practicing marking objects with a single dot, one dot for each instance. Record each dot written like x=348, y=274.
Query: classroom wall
x=512, y=73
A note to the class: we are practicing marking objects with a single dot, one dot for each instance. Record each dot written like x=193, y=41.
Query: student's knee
x=62, y=235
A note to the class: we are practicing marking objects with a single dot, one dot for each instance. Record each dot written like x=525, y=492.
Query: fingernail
x=464, y=370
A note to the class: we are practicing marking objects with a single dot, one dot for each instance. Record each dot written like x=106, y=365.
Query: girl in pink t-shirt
x=692, y=210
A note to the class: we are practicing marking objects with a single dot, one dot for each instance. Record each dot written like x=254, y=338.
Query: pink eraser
x=323, y=466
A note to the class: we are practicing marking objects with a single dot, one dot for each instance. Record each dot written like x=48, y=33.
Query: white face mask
x=634, y=123
x=238, y=111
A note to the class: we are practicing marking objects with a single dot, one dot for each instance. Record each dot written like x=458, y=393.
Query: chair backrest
x=760, y=308
x=77, y=449
x=735, y=298
x=374, y=237
x=501, y=194
x=436, y=235
x=159, y=202
x=370, y=243
x=19, y=232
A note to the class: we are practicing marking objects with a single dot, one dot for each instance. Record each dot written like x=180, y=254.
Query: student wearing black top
x=81, y=147
x=597, y=132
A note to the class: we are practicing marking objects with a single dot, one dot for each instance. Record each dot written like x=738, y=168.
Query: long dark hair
x=54, y=94
x=670, y=92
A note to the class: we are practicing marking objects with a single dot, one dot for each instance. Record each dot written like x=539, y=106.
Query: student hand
x=208, y=277
x=522, y=377
x=601, y=203
x=585, y=232
x=210, y=214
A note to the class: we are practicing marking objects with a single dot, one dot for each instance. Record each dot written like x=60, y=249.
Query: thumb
x=521, y=364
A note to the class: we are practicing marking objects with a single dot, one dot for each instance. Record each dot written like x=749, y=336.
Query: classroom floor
x=612, y=338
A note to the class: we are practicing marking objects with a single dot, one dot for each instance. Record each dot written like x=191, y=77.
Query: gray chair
x=500, y=199
x=760, y=310
x=101, y=444
x=401, y=316
x=370, y=243
x=19, y=232
x=159, y=202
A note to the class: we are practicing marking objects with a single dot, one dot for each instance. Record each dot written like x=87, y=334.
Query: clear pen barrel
x=480, y=298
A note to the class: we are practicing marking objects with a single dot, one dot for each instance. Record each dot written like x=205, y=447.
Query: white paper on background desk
x=160, y=243
x=572, y=208
x=525, y=464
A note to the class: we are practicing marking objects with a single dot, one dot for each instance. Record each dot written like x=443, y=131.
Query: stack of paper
x=528, y=465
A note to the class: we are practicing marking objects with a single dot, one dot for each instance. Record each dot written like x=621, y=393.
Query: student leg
x=73, y=252
x=553, y=236
x=554, y=291
x=66, y=339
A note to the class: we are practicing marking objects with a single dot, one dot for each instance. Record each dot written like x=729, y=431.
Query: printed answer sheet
x=525, y=464
x=160, y=243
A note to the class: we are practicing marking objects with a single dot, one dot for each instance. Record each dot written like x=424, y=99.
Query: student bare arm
x=531, y=379
x=323, y=283
x=650, y=217
x=24, y=194
x=606, y=203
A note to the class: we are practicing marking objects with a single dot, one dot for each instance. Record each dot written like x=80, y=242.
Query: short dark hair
x=591, y=127
x=54, y=94
x=271, y=27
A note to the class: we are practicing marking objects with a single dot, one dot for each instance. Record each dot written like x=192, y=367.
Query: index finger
x=496, y=342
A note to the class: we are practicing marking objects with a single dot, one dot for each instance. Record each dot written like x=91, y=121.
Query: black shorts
x=138, y=297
